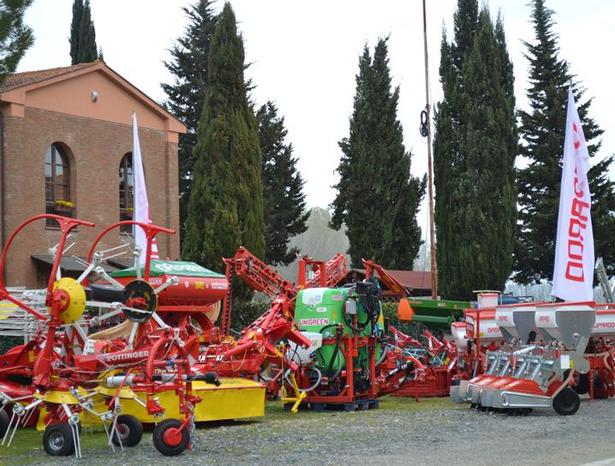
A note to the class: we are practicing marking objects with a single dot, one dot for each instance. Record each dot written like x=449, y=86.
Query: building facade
x=66, y=142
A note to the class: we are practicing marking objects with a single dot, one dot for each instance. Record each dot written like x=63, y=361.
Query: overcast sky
x=304, y=56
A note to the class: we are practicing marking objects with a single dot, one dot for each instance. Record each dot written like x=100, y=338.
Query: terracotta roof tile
x=16, y=80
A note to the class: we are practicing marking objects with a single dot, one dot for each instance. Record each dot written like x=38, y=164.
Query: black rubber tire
x=129, y=430
x=58, y=440
x=567, y=402
x=158, y=438
x=4, y=422
x=581, y=384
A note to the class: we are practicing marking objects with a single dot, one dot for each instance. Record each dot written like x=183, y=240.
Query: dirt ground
x=401, y=431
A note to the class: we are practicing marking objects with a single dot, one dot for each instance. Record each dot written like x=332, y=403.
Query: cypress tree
x=475, y=147
x=74, y=31
x=186, y=94
x=377, y=198
x=283, y=198
x=15, y=36
x=543, y=130
x=226, y=200
x=82, y=40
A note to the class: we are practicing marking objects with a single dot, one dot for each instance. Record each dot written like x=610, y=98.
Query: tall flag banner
x=141, y=204
x=573, y=273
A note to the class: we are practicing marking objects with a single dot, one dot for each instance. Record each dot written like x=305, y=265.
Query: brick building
x=66, y=142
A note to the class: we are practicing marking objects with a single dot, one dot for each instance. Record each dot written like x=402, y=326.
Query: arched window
x=57, y=183
x=127, y=182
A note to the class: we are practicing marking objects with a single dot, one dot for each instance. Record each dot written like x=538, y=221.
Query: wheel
x=4, y=422
x=168, y=439
x=566, y=402
x=129, y=430
x=58, y=440
x=581, y=383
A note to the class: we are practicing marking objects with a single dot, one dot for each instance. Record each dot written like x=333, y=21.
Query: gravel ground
x=402, y=431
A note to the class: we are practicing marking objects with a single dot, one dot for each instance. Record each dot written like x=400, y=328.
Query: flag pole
x=432, y=231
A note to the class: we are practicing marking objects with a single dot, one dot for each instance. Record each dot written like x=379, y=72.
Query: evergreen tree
x=74, y=31
x=83, y=47
x=475, y=147
x=377, y=198
x=15, y=36
x=543, y=130
x=226, y=199
x=186, y=94
x=283, y=197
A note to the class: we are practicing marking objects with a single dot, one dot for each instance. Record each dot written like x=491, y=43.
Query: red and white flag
x=573, y=273
x=141, y=204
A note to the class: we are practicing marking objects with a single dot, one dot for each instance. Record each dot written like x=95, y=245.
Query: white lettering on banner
x=320, y=321
x=168, y=268
x=117, y=357
x=573, y=271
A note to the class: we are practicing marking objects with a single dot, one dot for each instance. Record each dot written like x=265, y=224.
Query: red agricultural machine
x=61, y=377
x=553, y=352
x=437, y=354
x=321, y=344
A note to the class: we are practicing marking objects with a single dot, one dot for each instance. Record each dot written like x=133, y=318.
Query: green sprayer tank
x=323, y=311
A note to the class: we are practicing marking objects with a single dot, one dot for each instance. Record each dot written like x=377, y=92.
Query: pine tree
x=83, y=47
x=15, y=36
x=186, y=94
x=377, y=198
x=283, y=198
x=475, y=147
x=543, y=130
x=226, y=200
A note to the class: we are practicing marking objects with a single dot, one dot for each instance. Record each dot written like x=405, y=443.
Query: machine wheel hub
x=172, y=436
x=56, y=441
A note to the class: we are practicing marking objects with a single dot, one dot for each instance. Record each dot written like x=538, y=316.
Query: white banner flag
x=573, y=273
x=141, y=204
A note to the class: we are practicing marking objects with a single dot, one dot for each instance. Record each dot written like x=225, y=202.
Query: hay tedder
x=547, y=355
x=63, y=376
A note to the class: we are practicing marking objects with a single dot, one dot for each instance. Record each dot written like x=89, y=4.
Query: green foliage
x=474, y=157
x=186, y=94
x=377, y=198
x=15, y=37
x=246, y=312
x=226, y=200
x=283, y=197
x=543, y=130
x=82, y=40
x=6, y=343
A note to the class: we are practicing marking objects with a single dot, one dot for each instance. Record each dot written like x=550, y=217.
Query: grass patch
x=27, y=445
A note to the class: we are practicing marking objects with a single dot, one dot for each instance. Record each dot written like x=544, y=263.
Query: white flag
x=141, y=204
x=573, y=273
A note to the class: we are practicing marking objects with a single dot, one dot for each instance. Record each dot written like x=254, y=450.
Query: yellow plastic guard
x=235, y=398
x=59, y=397
x=76, y=306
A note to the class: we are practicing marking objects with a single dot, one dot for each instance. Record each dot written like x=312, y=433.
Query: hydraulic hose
x=309, y=389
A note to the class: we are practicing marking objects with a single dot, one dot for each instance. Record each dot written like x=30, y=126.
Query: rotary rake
x=60, y=377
